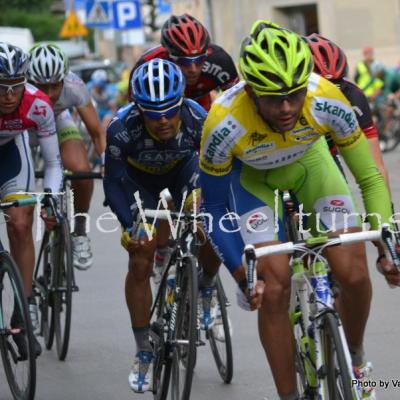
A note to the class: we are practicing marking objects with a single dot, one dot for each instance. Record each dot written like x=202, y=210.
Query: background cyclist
x=49, y=71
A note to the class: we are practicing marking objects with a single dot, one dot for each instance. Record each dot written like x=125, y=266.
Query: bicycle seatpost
x=251, y=264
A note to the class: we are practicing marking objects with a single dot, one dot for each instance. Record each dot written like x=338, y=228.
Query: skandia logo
x=348, y=117
x=217, y=139
x=337, y=203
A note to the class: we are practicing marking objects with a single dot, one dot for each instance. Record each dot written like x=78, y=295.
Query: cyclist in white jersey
x=49, y=71
x=23, y=107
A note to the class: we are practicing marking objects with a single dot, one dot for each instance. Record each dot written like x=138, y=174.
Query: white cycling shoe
x=363, y=374
x=82, y=253
x=141, y=376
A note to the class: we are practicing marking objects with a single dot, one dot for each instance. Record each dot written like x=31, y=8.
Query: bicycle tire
x=224, y=363
x=332, y=347
x=8, y=349
x=63, y=279
x=185, y=329
x=158, y=333
x=46, y=296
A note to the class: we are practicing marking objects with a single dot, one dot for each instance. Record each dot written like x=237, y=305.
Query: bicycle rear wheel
x=219, y=337
x=338, y=373
x=62, y=297
x=185, y=332
x=15, y=327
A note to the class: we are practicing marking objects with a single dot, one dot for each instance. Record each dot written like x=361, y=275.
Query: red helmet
x=329, y=59
x=184, y=36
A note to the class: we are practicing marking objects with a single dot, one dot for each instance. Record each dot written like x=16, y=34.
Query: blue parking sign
x=127, y=14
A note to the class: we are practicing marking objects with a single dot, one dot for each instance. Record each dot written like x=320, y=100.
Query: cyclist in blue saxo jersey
x=49, y=71
x=23, y=107
x=263, y=135
x=152, y=144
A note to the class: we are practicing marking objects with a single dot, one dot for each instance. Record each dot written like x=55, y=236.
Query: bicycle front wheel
x=44, y=278
x=62, y=297
x=16, y=334
x=158, y=335
x=338, y=372
x=219, y=337
x=185, y=331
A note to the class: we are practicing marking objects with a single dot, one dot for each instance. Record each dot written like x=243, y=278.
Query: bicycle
x=323, y=362
x=20, y=369
x=175, y=330
x=54, y=277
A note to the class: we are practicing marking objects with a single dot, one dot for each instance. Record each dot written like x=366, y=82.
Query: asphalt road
x=102, y=348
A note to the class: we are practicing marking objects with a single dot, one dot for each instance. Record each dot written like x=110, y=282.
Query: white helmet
x=14, y=62
x=49, y=64
x=99, y=76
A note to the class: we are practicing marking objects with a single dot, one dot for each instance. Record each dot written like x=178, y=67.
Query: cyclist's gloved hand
x=126, y=238
x=141, y=238
x=46, y=212
x=242, y=300
x=250, y=303
x=388, y=270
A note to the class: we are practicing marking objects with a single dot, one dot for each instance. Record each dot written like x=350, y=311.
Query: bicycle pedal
x=75, y=288
x=200, y=343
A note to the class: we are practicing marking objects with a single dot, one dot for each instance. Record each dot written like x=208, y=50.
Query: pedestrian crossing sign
x=98, y=14
x=72, y=27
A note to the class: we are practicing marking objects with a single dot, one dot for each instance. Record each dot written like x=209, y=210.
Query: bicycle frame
x=311, y=294
x=311, y=297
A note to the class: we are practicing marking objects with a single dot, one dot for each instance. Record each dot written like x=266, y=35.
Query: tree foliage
x=44, y=25
x=26, y=5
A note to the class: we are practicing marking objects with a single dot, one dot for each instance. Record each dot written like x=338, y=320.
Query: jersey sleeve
x=361, y=109
x=221, y=58
x=215, y=195
x=42, y=115
x=217, y=142
x=332, y=110
x=115, y=170
x=78, y=90
x=197, y=117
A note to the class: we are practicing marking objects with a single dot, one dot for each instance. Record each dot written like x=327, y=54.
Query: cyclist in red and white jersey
x=205, y=66
x=331, y=63
x=22, y=107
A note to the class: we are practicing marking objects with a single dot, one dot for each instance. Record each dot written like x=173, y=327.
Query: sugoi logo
x=338, y=203
x=40, y=110
x=256, y=220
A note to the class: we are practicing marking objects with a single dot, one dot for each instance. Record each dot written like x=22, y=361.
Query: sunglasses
x=277, y=99
x=11, y=89
x=158, y=114
x=188, y=61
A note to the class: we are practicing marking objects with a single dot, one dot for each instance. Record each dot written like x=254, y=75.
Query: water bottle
x=320, y=282
x=170, y=285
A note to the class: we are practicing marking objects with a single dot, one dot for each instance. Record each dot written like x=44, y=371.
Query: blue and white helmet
x=157, y=84
x=14, y=62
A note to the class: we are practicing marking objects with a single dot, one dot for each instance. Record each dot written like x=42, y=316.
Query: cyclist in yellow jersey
x=264, y=134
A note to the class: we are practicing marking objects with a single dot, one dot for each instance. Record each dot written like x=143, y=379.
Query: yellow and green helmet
x=274, y=60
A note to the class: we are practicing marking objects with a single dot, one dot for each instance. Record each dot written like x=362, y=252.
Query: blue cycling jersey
x=133, y=152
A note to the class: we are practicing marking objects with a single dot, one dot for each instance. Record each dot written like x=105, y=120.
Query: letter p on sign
x=127, y=14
